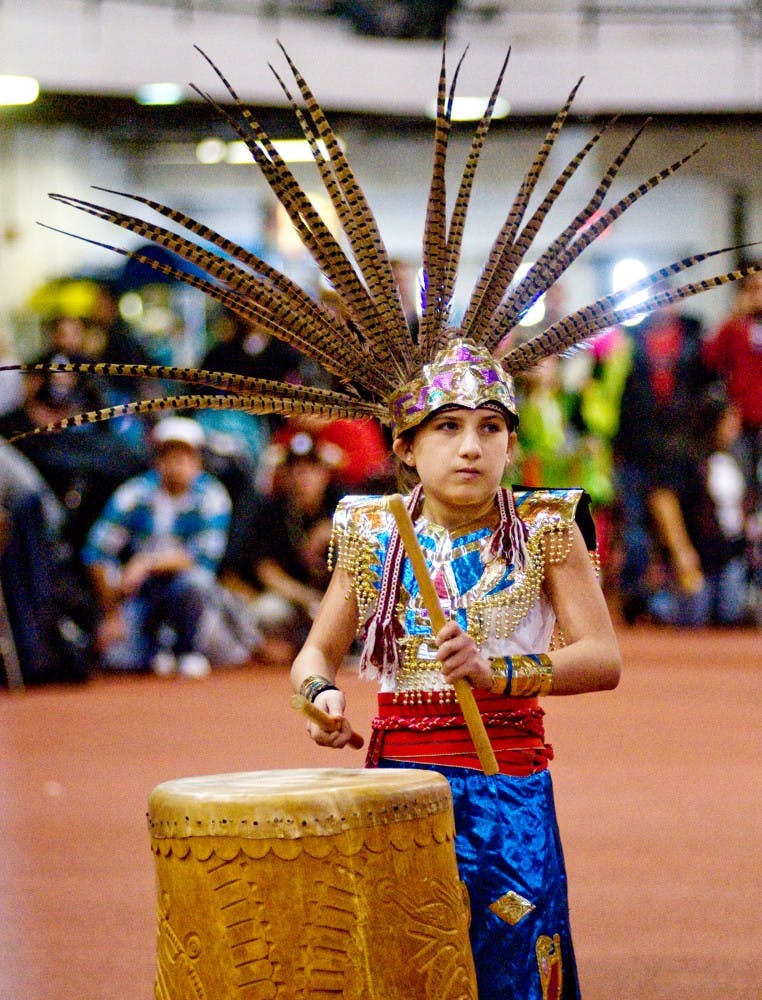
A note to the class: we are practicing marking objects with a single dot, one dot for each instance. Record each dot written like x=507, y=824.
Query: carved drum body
x=309, y=885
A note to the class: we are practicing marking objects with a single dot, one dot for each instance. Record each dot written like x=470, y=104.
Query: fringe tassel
x=510, y=537
x=380, y=656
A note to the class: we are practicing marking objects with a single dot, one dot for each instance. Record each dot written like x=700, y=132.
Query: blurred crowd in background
x=145, y=544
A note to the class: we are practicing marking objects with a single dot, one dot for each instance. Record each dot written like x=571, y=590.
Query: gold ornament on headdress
x=383, y=369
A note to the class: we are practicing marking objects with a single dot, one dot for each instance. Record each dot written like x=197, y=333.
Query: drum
x=316, y=884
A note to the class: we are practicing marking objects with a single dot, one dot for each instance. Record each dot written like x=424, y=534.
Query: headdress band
x=462, y=374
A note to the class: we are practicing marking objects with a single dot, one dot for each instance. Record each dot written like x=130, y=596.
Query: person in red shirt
x=734, y=351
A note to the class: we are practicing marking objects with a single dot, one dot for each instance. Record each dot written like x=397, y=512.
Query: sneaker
x=164, y=663
x=193, y=665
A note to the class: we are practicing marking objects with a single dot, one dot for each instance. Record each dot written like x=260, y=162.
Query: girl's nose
x=470, y=443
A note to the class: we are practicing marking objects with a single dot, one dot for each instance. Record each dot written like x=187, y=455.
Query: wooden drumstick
x=328, y=723
x=463, y=691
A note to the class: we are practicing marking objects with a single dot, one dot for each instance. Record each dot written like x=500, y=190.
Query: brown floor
x=658, y=784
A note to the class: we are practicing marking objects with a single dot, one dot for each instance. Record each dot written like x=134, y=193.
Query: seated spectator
x=278, y=548
x=355, y=450
x=153, y=556
x=85, y=463
x=108, y=337
x=50, y=638
x=240, y=349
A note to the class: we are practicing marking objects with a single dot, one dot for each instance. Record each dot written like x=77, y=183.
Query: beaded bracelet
x=523, y=676
x=314, y=685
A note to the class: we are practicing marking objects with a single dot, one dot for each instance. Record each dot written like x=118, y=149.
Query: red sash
x=434, y=732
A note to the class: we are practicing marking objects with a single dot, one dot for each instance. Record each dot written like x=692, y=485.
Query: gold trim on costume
x=511, y=907
x=361, y=520
x=499, y=675
x=548, y=951
x=531, y=676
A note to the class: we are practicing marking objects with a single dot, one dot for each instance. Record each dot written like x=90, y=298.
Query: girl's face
x=460, y=456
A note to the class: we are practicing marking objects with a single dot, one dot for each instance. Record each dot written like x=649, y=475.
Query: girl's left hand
x=460, y=657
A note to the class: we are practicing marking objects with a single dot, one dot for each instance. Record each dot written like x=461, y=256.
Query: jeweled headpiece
x=461, y=374
x=368, y=345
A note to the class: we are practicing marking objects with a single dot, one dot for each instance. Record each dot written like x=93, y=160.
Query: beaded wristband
x=531, y=675
x=314, y=685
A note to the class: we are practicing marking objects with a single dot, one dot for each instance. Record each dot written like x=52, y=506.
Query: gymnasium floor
x=658, y=785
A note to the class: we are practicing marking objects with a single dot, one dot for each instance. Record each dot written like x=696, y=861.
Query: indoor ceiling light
x=212, y=151
x=624, y=273
x=18, y=90
x=535, y=312
x=160, y=93
x=470, y=109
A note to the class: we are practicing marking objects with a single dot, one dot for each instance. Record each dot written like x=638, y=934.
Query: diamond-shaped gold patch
x=511, y=907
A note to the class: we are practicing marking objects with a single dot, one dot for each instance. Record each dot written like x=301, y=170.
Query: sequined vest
x=501, y=606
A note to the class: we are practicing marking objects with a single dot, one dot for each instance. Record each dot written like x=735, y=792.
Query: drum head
x=291, y=804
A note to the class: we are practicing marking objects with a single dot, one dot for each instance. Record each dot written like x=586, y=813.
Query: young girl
x=506, y=569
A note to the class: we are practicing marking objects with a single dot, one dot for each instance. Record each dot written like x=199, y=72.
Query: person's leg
x=732, y=592
x=133, y=650
x=27, y=576
x=636, y=540
x=227, y=634
x=178, y=601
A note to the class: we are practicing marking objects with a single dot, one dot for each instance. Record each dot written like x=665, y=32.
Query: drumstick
x=328, y=723
x=463, y=690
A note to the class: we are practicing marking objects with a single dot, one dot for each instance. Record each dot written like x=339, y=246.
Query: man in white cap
x=153, y=556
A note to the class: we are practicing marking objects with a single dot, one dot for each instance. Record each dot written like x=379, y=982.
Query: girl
x=506, y=570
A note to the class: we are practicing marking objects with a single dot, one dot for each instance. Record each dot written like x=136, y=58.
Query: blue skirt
x=510, y=858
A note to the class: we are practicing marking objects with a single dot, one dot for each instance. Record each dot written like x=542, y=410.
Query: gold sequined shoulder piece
x=549, y=515
x=358, y=524
x=541, y=507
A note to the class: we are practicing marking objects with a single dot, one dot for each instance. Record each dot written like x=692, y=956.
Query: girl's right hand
x=333, y=704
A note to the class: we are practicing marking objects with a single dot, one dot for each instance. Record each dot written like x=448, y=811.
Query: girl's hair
x=407, y=477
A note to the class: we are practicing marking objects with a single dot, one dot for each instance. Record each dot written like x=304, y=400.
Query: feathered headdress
x=383, y=369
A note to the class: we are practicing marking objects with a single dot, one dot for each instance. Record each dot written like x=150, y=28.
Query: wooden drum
x=309, y=885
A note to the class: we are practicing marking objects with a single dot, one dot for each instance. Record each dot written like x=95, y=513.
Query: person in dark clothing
x=84, y=465
x=38, y=579
x=698, y=506
x=243, y=350
x=665, y=376
x=117, y=343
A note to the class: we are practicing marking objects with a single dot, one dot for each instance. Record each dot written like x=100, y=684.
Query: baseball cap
x=179, y=430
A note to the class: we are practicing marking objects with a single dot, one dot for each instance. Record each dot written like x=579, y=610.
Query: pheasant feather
x=490, y=288
x=589, y=320
x=369, y=347
x=311, y=228
x=462, y=200
x=355, y=215
x=559, y=256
